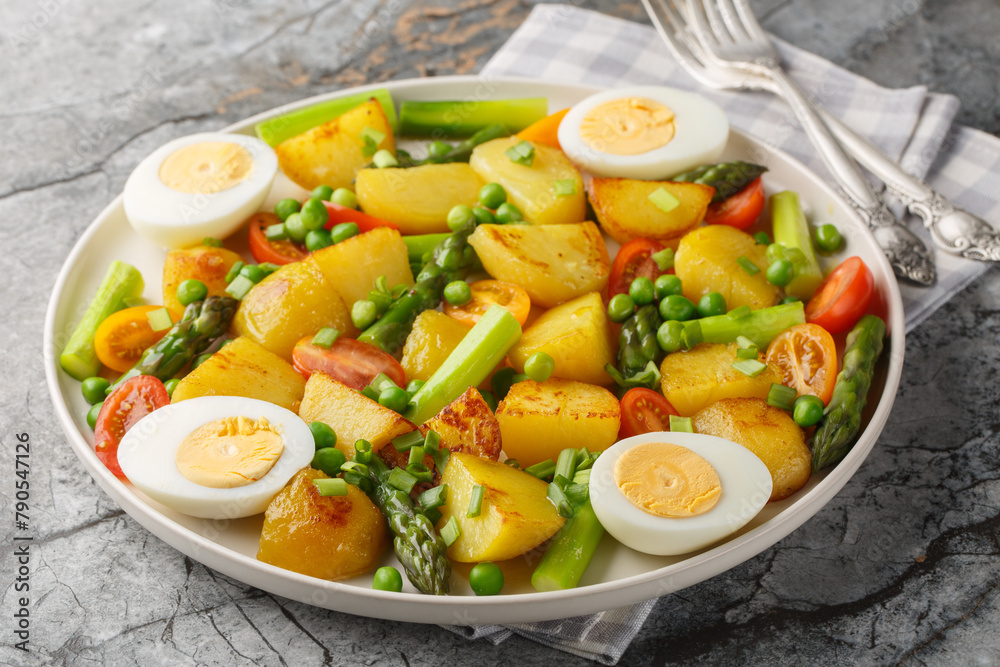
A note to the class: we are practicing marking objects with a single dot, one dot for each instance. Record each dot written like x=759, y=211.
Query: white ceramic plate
x=618, y=575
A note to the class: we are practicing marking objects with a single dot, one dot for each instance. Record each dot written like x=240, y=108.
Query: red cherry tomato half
x=365, y=222
x=265, y=250
x=349, y=361
x=633, y=260
x=131, y=401
x=644, y=411
x=843, y=297
x=741, y=210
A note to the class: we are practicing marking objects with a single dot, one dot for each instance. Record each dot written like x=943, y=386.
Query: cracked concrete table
x=901, y=567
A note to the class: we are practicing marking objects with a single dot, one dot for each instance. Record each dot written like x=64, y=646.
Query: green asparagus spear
x=460, y=152
x=203, y=322
x=637, y=349
x=842, y=417
x=727, y=178
x=418, y=546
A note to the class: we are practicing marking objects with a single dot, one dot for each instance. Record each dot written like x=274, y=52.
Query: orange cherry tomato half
x=349, y=361
x=123, y=336
x=633, y=260
x=131, y=401
x=644, y=411
x=843, y=297
x=266, y=250
x=486, y=293
x=807, y=357
x=741, y=210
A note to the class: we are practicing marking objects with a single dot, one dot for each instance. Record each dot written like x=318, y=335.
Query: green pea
x=364, y=313
x=790, y=299
x=171, y=384
x=492, y=195
x=92, y=414
x=483, y=216
x=200, y=359
x=539, y=367
x=323, y=435
x=666, y=285
x=344, y=231
x=191, y=290
x=762, y=238
x=394, y=398
x=294, y=228
x=437, y=149
x=676, y=307
x=459, y=216
x=317, y=239
x=486, y=579
x=457, y=293
x=324, y=192
x=253, y=273
x=669, y=336
x=711, y=304
x=286, y=207
x=329, y=460
x=780, y=272
x=620, y=308
x=828, y=238
x=344, y=197
x=642, y=291
x=808, y=410
x=508, y=214
x=94, y=389
x=314, y=214
x=387, y=578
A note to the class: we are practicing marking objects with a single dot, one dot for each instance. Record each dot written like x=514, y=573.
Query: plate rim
x=470, y=610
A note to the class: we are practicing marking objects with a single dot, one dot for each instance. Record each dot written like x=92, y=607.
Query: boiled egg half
x=644, y=132
x=216, y=457
x=202, y=185
x=670, y=493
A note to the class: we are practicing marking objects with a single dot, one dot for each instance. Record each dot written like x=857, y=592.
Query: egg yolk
x=628, y=126
x=667, y=480
x=229, y=452
x=207, y=167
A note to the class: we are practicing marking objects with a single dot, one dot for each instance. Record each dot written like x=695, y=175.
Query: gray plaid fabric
x=571, y=45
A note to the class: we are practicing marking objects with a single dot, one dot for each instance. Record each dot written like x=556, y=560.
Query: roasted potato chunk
x=625, y=212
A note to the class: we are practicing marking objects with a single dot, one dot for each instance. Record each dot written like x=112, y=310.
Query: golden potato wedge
x=540, y=419
x=768, y=432
x=434, y=336
x=552, y=263
x=625, y=212
x=706, y=261
x=577, y=335
x=417, y=199
x=244, y=368
x=532, y=188
x=205, y=263
x=351, y=415
x=695, y=378
x=515, y=516
x=352, y=266
x=332, y=153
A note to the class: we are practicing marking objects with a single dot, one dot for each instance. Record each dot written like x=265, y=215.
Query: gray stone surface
x=901, y=567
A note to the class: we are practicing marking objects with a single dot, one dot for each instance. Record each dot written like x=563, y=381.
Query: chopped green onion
x=363, y=451
x=403, y=443
x=680, y=424
x=476, y=501
x=331, y=487
x=781, y=396
x=433, y=513
x=542, y=470
x=355, y=467
x=747, y=352
x=664, y=259
x=582, y=458
x=566, y=463
x=450, y=532
x=369, y=392
x=762, y=238
x=421, y=472
x=432, y=441
x=416, y=455
x=402, y=480
x=234, y=271
x=691, y=335
x=371, y=138
x=433, y=497
x=211, y=241
x=747, y=265
x=749, y=367
x=744, y=342
x=522, y=153
x=564, y=187
x=663, y=200
x=381, y=382
x=557, y=497
x=739, y=313
x=512, y=463
x=159, y=319
x=325, y=337
x=582, y=476
x=384, y=159
x=577, y=493
x=276, y=232
x=239, y=287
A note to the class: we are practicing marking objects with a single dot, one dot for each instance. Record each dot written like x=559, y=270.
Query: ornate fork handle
x=954, y=229
x=906, y=253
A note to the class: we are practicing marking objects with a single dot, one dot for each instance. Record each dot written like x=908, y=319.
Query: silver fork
x=952, y=228
x=730, y=37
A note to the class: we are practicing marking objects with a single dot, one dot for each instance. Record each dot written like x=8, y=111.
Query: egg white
x=148, y=454
x=176, y=219
x=746, y=486
x=702, y=131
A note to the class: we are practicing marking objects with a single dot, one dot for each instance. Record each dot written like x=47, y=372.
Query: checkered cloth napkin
x=566, y=44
